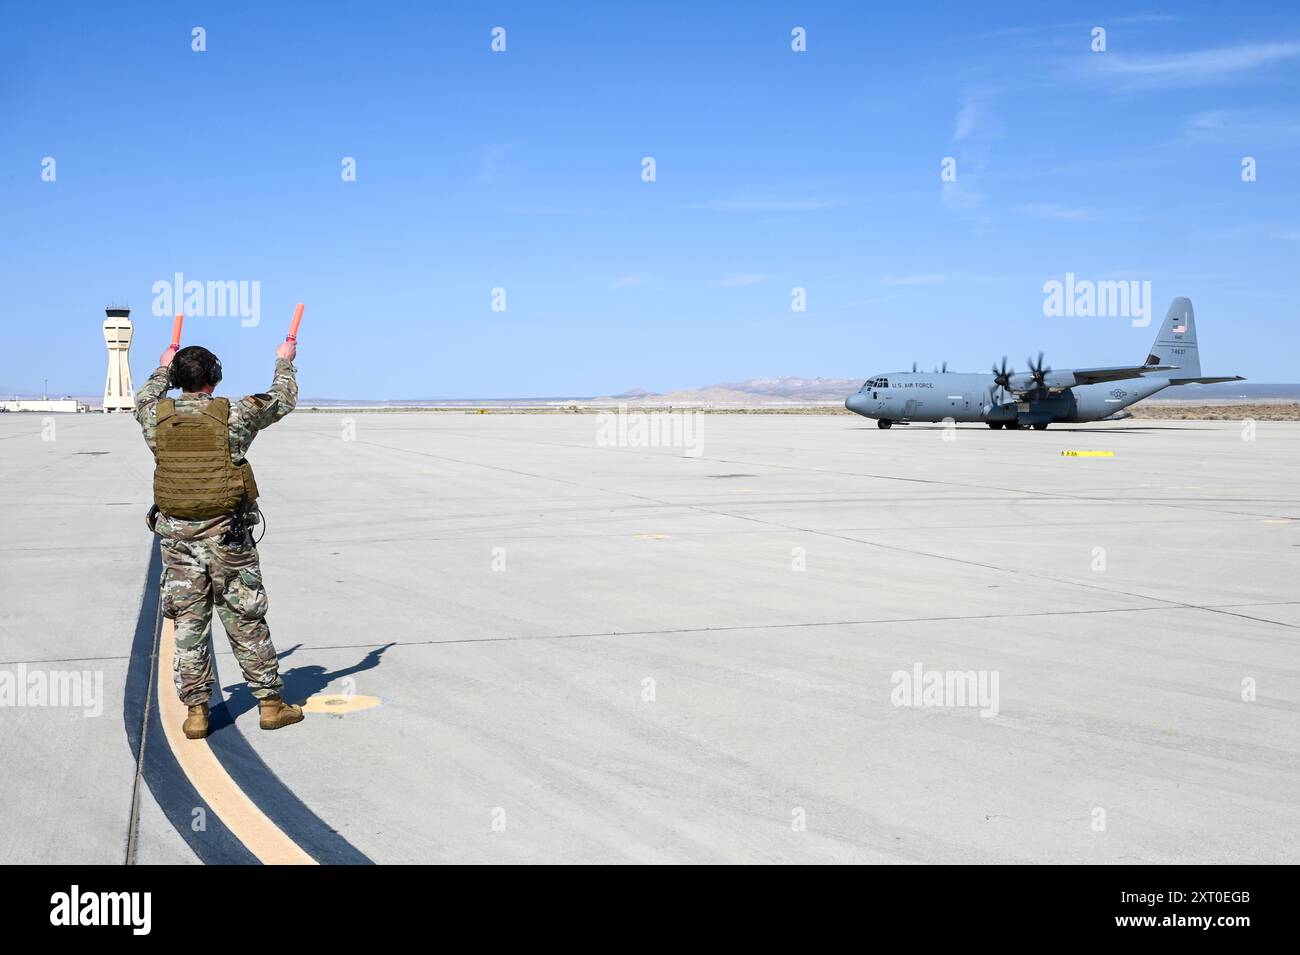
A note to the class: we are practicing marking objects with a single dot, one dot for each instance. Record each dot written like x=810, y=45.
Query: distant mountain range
x=757, y=392
x=765, y=391
x=822, y=390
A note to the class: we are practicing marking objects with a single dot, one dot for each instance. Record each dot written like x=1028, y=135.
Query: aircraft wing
x=1204, y=381
x=1093, y=376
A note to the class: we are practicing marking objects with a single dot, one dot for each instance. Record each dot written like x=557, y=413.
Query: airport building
x=44, y=404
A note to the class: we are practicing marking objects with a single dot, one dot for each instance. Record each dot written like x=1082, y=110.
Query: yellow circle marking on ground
x=1087, y=454
x=337, y=704
x=654, y=537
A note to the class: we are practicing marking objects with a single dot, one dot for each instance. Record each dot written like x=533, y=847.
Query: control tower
x=119, y=395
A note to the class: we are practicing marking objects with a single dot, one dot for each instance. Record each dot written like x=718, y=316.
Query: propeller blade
x=1002, y=376
x=1039, y=370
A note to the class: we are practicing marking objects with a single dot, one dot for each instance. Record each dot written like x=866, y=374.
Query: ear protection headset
x=209, y=363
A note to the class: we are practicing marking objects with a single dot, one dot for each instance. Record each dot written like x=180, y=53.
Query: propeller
x=943, y=370
x=1039, y=370
x=913, y=366
x=1002, y=377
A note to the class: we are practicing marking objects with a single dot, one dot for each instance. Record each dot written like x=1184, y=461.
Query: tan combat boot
x=274, y=713
x=196, y=724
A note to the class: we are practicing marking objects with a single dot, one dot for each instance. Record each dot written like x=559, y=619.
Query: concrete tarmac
x=586, y=653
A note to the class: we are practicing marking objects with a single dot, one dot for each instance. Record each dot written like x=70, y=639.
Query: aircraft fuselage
x=936, y=396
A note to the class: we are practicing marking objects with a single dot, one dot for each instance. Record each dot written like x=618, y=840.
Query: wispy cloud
x=923, y=278
x=491, y=158
x=766, y=204
x=544, y=210
x=959, y=196
x=974, y=128
x=742, y=279
x=1247, y=126
x=964, y=121
x=975, y=118
x=1249, y=231
x=1050, y=210
x=1189, y=67
x=629, y=281
x=1083, y=25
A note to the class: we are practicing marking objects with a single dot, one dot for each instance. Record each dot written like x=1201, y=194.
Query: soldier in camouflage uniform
x=206, y=560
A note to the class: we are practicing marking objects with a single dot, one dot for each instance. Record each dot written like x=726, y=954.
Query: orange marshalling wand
x=297, y=320
x=176, y=331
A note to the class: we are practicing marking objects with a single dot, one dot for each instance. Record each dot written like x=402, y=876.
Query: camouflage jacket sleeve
x=146, y=404
x=250, y=415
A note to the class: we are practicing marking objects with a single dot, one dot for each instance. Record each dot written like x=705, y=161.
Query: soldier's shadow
x=300, y=683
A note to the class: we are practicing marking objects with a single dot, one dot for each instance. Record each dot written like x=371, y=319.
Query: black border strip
x=280, y=804
x=172, y=788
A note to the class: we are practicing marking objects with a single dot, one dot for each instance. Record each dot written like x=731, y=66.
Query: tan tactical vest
x=194, y=477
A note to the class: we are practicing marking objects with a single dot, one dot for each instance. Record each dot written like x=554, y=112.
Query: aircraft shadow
x=300, y=683
x=1057, y=429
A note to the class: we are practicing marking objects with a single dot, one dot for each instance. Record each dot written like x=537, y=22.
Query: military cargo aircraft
x=1009, y=399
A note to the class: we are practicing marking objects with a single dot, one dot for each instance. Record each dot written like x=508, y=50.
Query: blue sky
x=523, y=170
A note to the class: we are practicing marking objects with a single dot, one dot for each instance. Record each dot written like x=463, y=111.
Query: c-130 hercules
x=1006, y=398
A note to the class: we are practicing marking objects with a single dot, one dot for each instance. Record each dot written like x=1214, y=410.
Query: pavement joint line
x=1213, y=608
x=784, y=467
x=476, y=535
x=133, y=825
x=803, y=530
x=771, y=626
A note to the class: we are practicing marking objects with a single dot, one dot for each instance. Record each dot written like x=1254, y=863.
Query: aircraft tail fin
x=1175, y=343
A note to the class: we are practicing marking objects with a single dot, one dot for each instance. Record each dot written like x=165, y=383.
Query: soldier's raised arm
x=146, y=399
x=266, y=408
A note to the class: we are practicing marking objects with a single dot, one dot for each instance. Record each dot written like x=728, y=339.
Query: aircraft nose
x=854, y=403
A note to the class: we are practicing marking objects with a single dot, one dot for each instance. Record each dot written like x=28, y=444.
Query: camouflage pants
x=196, y=574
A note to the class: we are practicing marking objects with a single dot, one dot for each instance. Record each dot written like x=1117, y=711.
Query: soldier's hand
x=167, y=356
x=287, y=350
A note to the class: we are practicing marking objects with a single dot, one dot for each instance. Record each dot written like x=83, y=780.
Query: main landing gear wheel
x=1041, y=427
x=1013, y=425
x=884, y=423
x=995, y=425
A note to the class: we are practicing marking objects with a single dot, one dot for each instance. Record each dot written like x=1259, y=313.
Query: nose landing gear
x=884, y=423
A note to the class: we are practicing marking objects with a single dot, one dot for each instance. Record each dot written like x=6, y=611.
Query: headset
x=210, y=364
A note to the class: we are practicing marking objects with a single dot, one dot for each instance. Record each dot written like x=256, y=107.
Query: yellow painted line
x=1087, y=454
x=1283, y=520
x=653, y=537
x=240, y=814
